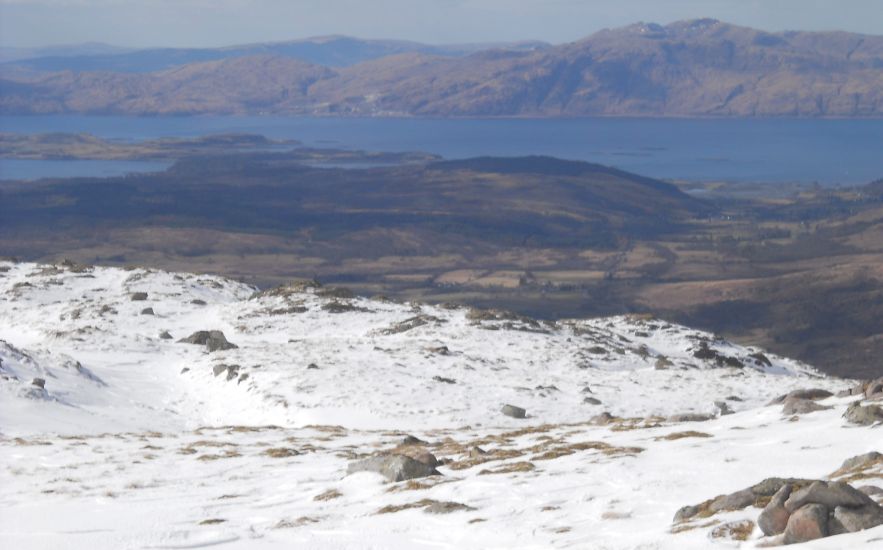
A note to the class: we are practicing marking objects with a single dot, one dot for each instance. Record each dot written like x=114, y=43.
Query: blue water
x=830, y=152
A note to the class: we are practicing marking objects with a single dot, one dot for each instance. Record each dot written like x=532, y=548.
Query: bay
x=827, y=151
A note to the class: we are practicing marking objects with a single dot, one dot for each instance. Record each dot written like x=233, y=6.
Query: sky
x=208, y=23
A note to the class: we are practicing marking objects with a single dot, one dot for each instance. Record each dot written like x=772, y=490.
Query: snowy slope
x=136, y=439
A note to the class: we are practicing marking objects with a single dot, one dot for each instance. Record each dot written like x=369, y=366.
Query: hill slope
x=691, y=68
x=134, y=439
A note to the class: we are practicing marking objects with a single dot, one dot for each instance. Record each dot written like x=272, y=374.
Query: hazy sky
x=223, y=22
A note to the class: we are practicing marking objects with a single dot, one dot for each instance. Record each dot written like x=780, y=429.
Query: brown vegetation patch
x=281, y=452
x=511, y=468
x=330, y=494
x=682, y=435
x=393, y=508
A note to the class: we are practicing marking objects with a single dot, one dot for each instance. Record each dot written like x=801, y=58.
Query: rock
x=592, y=401
x=446, y=508
x=721, y=408
x=476, y=452
x=690, y=417
x=733, y=501
x=685, y=513
x=831, y=494
x=39, y=382
x=861, y=461
x=863, y=416
x=164, y=335
x=807, y=523
x=418, y=453
x=198, y=302
x=312, y=366
x=444, y=380
x=218, y=369
x=859, y=519
x=874, y=389
x=138, y=296
x=796, y=405
x=774, y=517
x=733, y=530
x=602, y=419
x=147, y=311
x=232, y=372
x=813, y=394
x=870, y=490
x=185, y=369
x=513, y=411
x=393, y=467
x=411, y=440
x=213, y=340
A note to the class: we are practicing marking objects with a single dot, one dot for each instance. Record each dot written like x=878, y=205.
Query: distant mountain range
x=690, y=68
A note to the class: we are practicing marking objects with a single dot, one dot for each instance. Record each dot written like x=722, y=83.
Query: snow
x=135, y=442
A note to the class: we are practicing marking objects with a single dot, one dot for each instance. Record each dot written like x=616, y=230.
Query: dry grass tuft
x=330, y=494
x=512, y=468
x=681, y=435
x=281, y=452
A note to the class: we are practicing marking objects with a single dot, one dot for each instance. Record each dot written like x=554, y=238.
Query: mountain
x=690, y=68
x=12, y=54
x=121, y=420
x=331, y=51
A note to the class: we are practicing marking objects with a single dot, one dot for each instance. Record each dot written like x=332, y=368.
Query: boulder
x=774, y=517
x=393, y=467
x=164, y=335
x=807, y=523
x=39, y=382
x=796, y=405
x=721, y=408
x=213, y=340
x=861, y=461
x=138, y=296
x=411, y=440
x=147, y=311
x=863, y=416
x=513, y=411
x=591, y=401
x=733, y=501
x=859, y=519
x=812, y=394
x=830, y=494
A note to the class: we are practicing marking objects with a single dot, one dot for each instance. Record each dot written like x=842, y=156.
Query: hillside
x=691, y=68
x=118, y=433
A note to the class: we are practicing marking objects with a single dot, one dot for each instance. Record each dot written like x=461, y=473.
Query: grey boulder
x=513, y=411
x=213, y=340
x=808, y=523
x=393, y=467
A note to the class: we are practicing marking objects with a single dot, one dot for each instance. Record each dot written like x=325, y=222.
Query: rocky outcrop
x=863, y=415
x=513, y=411
x=393, y=467
x=799, y=510
x=213, y=340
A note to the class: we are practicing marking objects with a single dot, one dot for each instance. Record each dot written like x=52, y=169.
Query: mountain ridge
x=689, y=68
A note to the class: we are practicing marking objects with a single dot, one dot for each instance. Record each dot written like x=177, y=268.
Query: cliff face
x=691, y=68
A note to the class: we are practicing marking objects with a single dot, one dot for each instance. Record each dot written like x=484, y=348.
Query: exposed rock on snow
x=213, y=340
x=513, y=411
x=863, y=415
x=150, y=442
x=393, y=467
